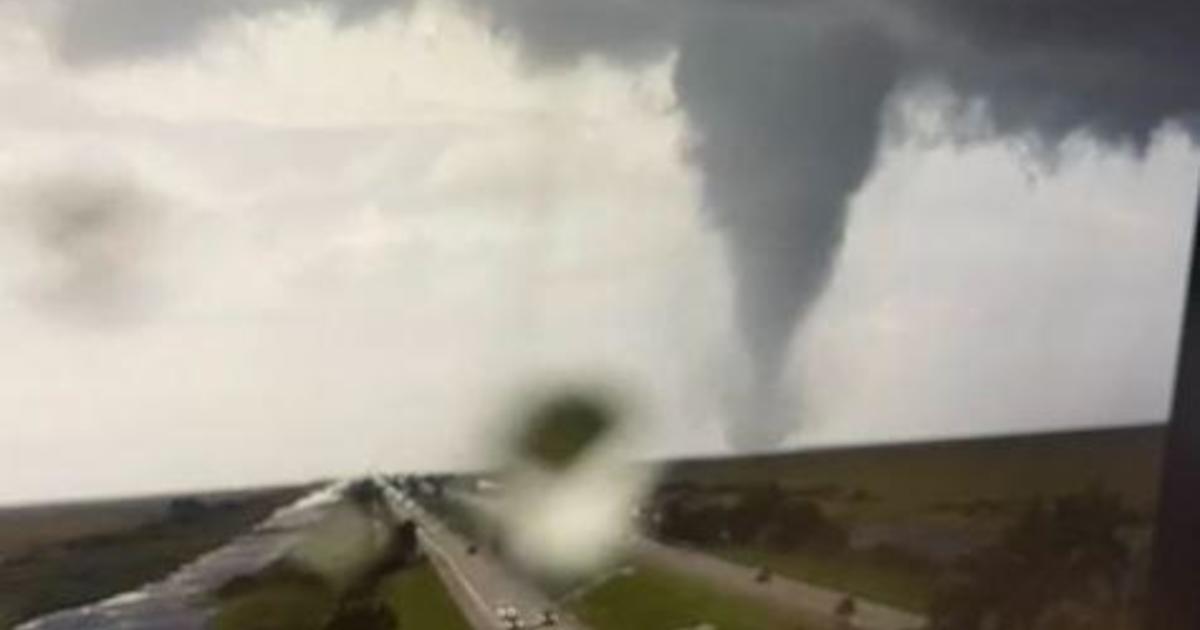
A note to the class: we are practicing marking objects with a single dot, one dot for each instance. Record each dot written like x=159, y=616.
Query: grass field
x=23, y=529
x=855, y=573
x=277, y=604
x=57, y=573
x=650, y=597
x=924, y=499
x=905, y=479
x=280, y=598
x=420, y=602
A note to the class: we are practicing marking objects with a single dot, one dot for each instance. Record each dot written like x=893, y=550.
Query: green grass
x=277, y=605
x=280, y=599
x=420, y=602
x=973, y=487
x=857, y=573
x=653, y=598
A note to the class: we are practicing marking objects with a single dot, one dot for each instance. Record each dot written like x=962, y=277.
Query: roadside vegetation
x=284, y=598
x=1065, y=564
x=650, y=597
x=278, y=598
x=896, y=580
x=969, y=477
x=332, y=582
x=943, y=530
x=82, y=570
x=765, y=526
x=419, y=600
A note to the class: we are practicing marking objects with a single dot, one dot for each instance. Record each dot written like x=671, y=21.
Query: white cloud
x=972, y=299
x=359, y=268
x=379, y=233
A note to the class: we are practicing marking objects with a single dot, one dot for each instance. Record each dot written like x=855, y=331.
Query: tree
x=367, y=496
x=757, y=507
x=802, y=523
x=185, y=509
x=1064, y=555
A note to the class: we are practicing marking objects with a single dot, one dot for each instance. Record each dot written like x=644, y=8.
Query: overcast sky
x=321, y=239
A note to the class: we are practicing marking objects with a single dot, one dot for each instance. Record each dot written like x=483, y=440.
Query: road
x=177, y=602
x=479, y=582
x=813, y=604
x=808, y=602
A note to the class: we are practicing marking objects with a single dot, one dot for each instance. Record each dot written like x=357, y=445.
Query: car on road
x=509, y=616
x=763, y=575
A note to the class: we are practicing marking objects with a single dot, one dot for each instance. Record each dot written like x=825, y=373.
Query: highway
x=808, y=602
x=811, y=603
x=479, y=583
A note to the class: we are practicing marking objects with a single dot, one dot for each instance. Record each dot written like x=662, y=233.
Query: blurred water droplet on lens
x=89, y=233
x=570, y=488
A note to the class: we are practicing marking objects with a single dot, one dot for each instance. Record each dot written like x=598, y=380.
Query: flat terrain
x=797, y=600
x=886, y=481
x=291, y=594
x=25, y=528
x=647, y=596
x=909, y=589
x=64, y=556
x=415, y=596
x=277, y=604
x=419, y=600
x=901, y=515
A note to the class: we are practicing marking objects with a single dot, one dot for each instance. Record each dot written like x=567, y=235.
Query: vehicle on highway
x=509, y=616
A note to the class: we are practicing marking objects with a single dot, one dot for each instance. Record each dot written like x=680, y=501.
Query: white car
x=509, y=616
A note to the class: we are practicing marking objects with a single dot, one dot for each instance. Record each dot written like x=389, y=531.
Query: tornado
x=786, y=109
x=785, y=102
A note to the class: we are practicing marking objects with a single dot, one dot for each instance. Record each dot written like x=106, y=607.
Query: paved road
x=807, y=601
x=177, y=602
x=811, y=603
x=478, y=582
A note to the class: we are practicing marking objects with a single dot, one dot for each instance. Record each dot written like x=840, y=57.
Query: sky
x=258, y=242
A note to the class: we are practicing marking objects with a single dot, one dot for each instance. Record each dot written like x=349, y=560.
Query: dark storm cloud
x=91, y=236
x=351, y=12
x=1114, y=68
x=98, y=31
x=785, y=100
x=91, y=32
x=558, y=33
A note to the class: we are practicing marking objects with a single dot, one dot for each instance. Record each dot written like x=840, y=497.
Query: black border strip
x=1175, y=577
